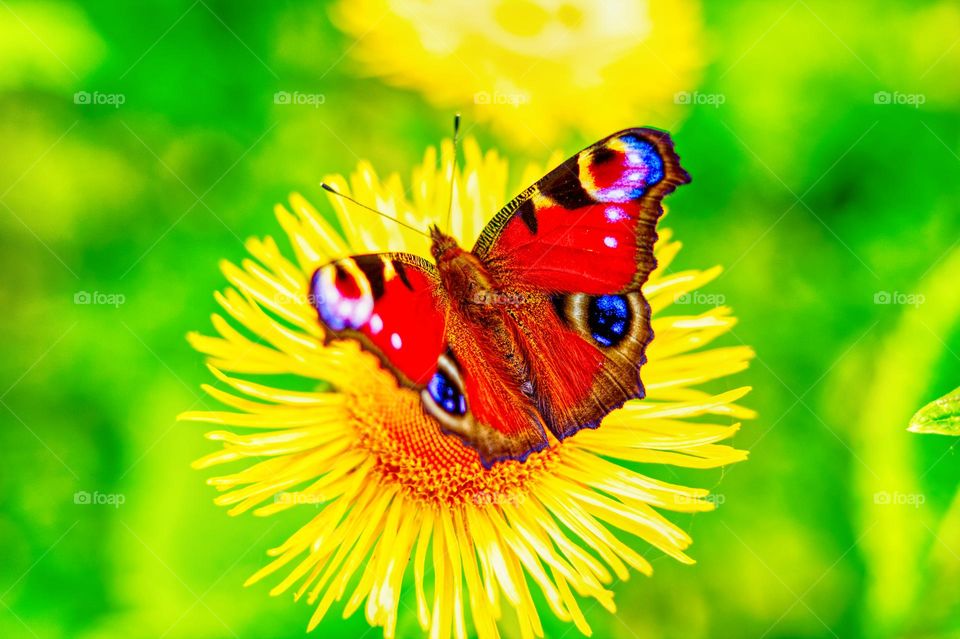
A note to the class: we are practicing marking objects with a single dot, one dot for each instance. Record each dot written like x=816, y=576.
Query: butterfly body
x=540, y=330
x=465, y=279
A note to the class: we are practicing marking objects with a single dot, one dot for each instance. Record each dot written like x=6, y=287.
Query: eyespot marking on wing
x=605, y=320
x=446, y=394
x=608, y=317
x=621, y=170
x=343, y=295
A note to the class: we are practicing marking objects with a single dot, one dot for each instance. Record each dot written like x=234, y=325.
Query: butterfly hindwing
x=497, y=419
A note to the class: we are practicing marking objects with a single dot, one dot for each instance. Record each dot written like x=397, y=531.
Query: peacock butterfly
x=542, y=327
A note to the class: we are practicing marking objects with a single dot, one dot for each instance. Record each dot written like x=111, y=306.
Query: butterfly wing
x=389, y=303
x=578, y=246
x=492, y=413
x=394, y=305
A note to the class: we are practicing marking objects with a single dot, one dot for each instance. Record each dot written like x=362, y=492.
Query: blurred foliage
x=825, y=183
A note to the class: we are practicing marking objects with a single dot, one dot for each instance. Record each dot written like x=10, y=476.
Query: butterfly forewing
x=389, y=303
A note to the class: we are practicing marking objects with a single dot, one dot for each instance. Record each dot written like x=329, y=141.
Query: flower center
x=410, y=450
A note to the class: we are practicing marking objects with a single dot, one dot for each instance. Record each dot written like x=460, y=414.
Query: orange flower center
x=411, y=451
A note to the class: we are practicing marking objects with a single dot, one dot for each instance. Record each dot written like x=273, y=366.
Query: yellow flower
x=534, y=68
x=390, y=487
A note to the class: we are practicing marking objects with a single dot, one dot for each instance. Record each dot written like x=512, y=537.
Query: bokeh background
x=824, y=143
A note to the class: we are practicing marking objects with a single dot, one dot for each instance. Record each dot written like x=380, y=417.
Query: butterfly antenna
x=453, y=168
x=329, y=188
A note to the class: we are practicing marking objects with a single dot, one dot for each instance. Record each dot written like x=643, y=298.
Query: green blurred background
x=822, y=202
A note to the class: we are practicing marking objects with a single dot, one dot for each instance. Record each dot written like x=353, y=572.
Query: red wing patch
x=388, y=302
x=589, y=225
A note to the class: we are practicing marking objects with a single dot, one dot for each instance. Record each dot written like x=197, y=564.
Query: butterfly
x=541, y=329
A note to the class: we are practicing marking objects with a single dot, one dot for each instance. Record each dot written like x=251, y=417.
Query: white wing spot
x=376, y=324
x=610, y=241
x=395, y=341
x=615, y=214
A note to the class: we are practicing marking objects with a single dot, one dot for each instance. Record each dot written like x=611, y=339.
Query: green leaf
x=941, y=417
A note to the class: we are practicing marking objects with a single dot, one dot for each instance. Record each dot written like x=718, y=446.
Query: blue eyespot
x=446, y=394
x=641, y=153
x=642, y=167
x=608, y=317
